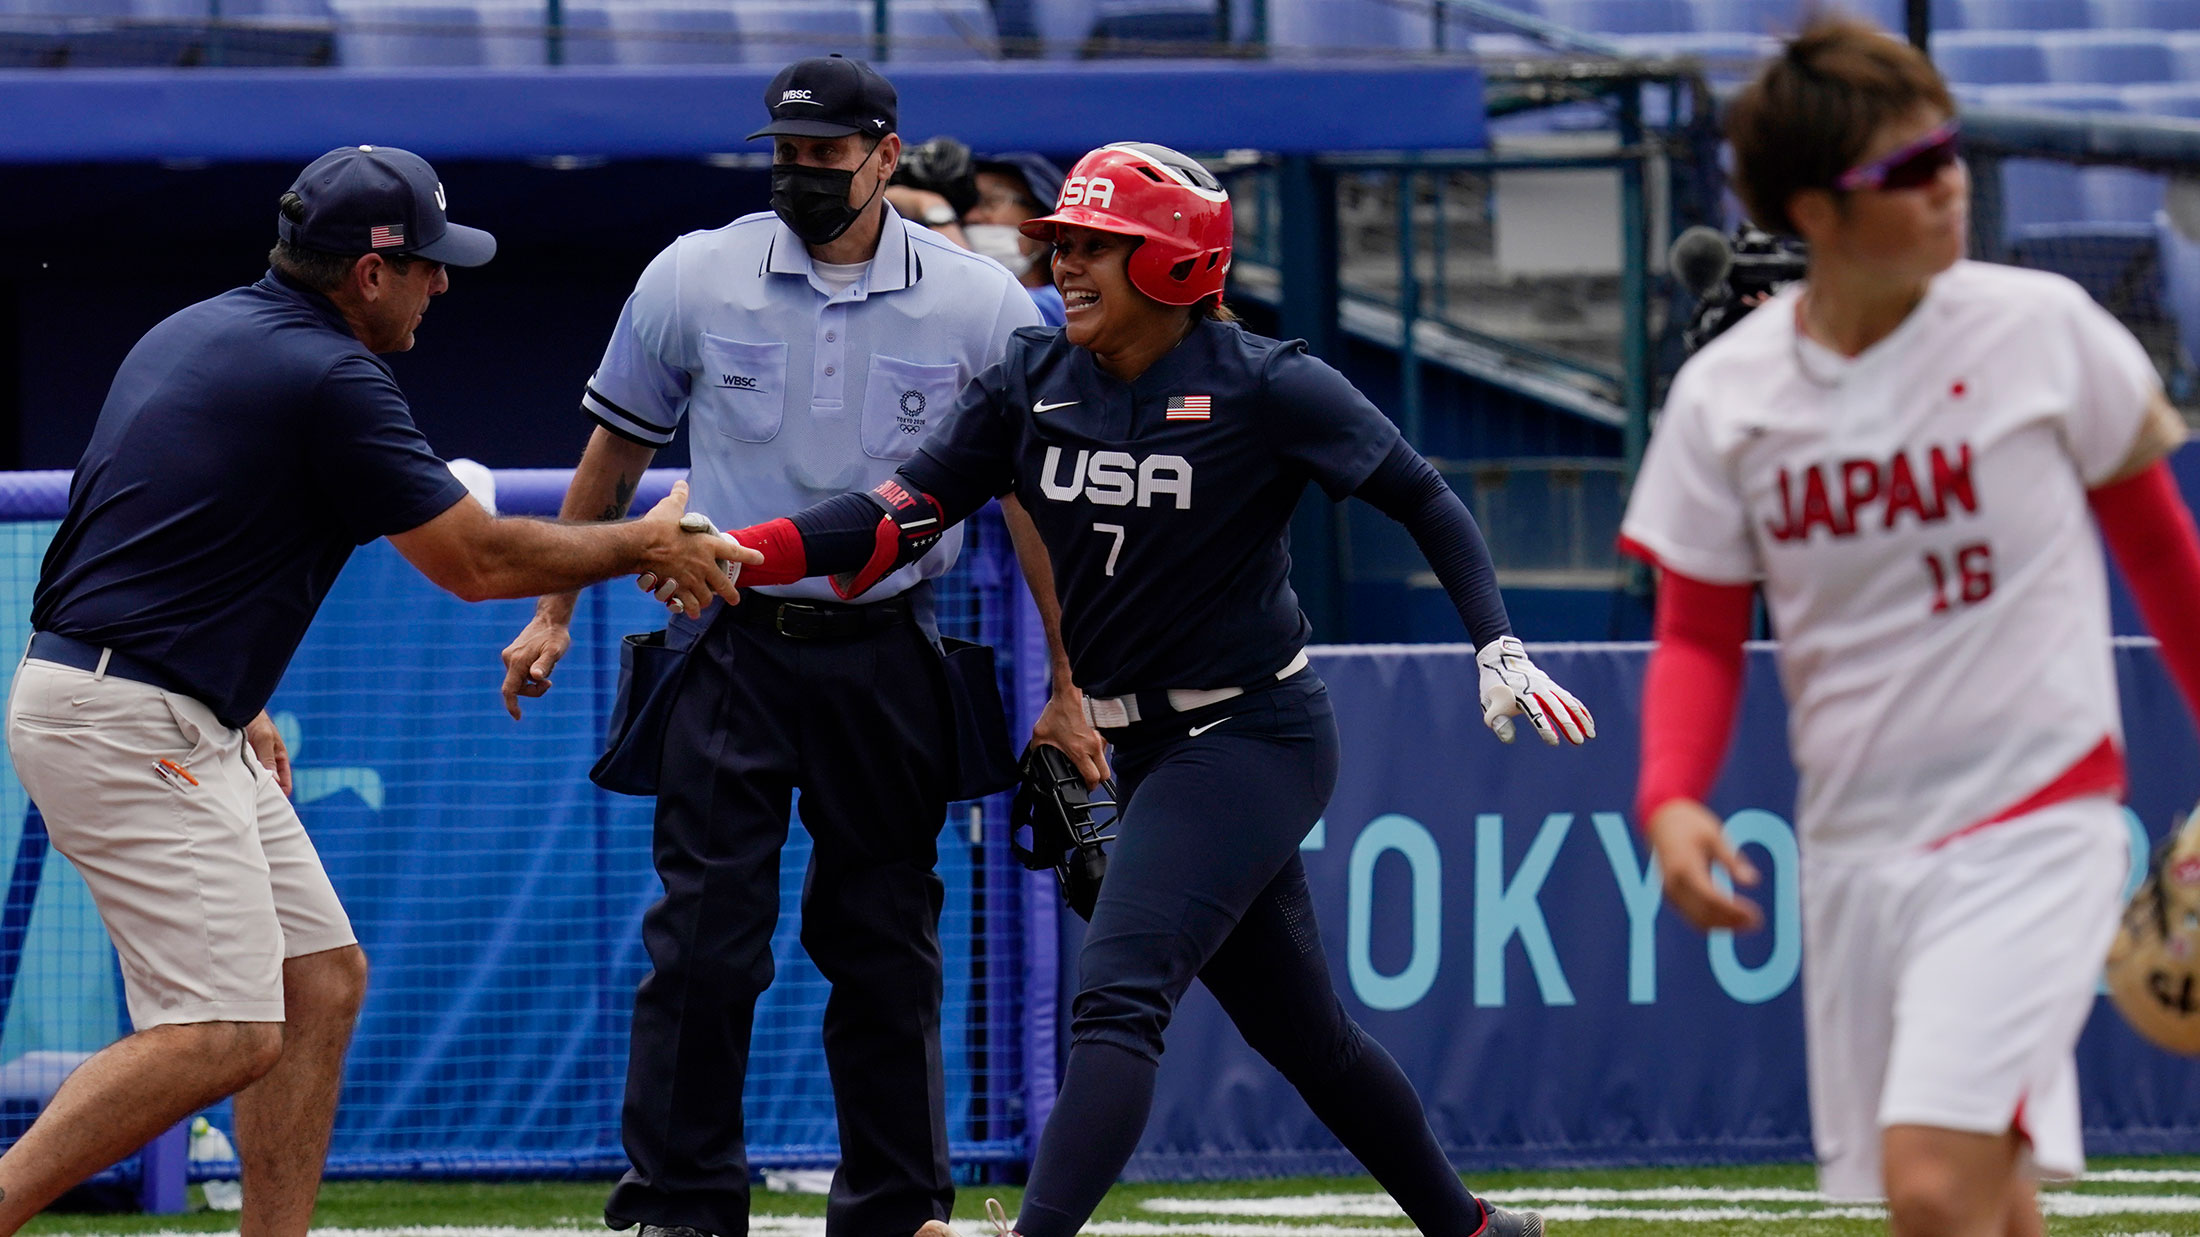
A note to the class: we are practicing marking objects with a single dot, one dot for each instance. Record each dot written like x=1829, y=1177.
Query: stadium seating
x=2055, y=97
x=1622, y=16
x=1297, y=26
x=692, y=33
x=2120, y=57
x=2146, y=14
x=1990, y=57
x=2014, y=14
x=2181, y=99
x=935, y=30
x=376, y=34
x=2184, y=52
x=2180, y=258
x=1747, y=16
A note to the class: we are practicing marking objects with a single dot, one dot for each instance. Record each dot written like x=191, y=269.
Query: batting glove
x=1512, y=684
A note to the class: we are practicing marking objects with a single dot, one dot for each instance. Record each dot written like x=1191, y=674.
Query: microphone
x=1701, y=259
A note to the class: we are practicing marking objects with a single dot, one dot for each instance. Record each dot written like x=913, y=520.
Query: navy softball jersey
x=1165, y=502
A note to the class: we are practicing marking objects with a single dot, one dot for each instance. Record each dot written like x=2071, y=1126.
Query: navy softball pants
x=1204, y=881
x=860, y=726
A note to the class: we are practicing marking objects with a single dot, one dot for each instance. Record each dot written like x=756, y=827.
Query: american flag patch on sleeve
x=386, y=237
x=1189, y=407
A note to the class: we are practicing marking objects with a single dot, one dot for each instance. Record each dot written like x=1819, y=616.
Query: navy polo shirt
x=248, y=445
x=1165, y=503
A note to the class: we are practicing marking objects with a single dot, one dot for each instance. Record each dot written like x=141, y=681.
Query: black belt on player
x=821, y=620
x=77, y=655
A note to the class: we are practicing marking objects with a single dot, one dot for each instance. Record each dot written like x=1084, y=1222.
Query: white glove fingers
x=1582, y=718
x=1531, y=706
x=1561, y=719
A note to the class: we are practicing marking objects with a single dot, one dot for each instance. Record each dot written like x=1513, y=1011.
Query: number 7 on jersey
x=1113, y=551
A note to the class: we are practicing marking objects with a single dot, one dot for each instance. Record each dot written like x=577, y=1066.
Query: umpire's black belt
x=821, y=620
x=64, y=651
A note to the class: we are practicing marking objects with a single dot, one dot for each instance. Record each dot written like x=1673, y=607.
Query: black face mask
x=814, y=201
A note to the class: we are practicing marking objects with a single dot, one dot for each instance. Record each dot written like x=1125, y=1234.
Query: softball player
x=1901, y=451
x=1160, y=450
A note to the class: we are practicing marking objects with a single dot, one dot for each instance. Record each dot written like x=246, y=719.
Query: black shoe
x=682, y=1230
x=1498, y=1222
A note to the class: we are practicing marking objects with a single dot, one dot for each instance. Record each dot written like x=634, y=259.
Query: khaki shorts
x=1947, y=988
x=203, y=875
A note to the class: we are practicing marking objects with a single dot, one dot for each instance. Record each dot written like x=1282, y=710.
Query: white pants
x=202, y=872
x=1947, y=988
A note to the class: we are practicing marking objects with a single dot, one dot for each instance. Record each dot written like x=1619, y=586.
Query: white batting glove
x=1512, y=684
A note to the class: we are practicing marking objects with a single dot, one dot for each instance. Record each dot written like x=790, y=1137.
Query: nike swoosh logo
x=1200, y=730
x=1043, y=406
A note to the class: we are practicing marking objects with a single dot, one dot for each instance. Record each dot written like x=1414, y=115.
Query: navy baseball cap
x=1042, y=180
x=379, y=199
x=830, y=96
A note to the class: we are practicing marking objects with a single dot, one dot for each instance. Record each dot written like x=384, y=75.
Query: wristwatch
x=939, y=215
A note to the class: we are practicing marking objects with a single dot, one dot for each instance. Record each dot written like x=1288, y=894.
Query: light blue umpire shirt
x=798, y=392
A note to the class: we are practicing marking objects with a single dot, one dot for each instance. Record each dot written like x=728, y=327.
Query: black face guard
x=1055, y=805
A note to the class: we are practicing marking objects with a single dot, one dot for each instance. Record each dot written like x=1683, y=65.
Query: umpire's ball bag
x=650, y=670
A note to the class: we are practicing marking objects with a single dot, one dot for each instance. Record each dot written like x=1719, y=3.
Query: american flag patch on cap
x=1189, y=407
x=386, y=237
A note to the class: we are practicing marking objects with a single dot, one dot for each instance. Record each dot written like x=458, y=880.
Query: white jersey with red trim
x=1917, y=516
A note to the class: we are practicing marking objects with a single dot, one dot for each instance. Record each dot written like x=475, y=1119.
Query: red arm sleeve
x=2150, y=531
x=785, y=559
x=1691, y=690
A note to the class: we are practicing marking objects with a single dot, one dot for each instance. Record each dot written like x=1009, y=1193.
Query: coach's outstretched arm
x=477, y=556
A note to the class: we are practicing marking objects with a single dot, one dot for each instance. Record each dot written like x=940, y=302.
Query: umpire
x=248, y=444
x=810, y=347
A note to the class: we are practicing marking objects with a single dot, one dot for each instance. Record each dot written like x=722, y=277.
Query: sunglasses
x=1911, y=166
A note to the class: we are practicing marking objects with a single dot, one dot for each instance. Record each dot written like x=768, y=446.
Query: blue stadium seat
x=1299, y=26
x=370, y=34
x=2146, y=14
x=2181, y=99
x=1749, y=16
x=674, y=33
x=2037, y=191
x=2114, y=57
x=65, y=8
x=1622, y=16
x=774, y=32
x=2058, y=97
x=2119, y=195
x=936, y=30
x=1061, y=26
x=2180, y=260
x=2025, y=14
x=1990, y=57
x=2184, y=52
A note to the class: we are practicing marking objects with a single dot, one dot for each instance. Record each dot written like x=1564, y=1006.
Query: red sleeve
x=2150, y=531
x=1691, y=690
x=785, y=559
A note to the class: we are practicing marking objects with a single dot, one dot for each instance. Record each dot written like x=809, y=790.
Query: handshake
x=691, y=560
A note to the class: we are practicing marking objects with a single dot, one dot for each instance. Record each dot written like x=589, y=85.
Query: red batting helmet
x=1175, y=206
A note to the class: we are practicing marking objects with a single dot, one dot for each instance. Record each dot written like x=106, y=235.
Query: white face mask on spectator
x=1000, y=242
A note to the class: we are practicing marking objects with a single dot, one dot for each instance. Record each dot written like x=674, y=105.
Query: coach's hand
x=530, y=657
x=1512, y=684
x=267, y=744
x=1063, y=723
x=1689, y=841
x=687, y=561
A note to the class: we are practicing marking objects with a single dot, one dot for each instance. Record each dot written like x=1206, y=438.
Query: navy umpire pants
x=1204, y=880
x=859, y=724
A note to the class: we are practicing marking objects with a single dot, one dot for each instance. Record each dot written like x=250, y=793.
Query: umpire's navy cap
x=830, y=96
x=379, y=199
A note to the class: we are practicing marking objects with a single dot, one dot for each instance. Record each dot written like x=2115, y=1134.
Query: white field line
x=2142, y=1175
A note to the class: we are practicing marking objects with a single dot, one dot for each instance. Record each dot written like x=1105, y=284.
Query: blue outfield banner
x=1491, y=919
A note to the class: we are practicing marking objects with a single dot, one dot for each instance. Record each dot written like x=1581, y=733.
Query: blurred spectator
x=1013, y=187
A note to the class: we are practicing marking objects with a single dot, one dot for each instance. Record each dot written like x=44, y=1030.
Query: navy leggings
x=1204, y=880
